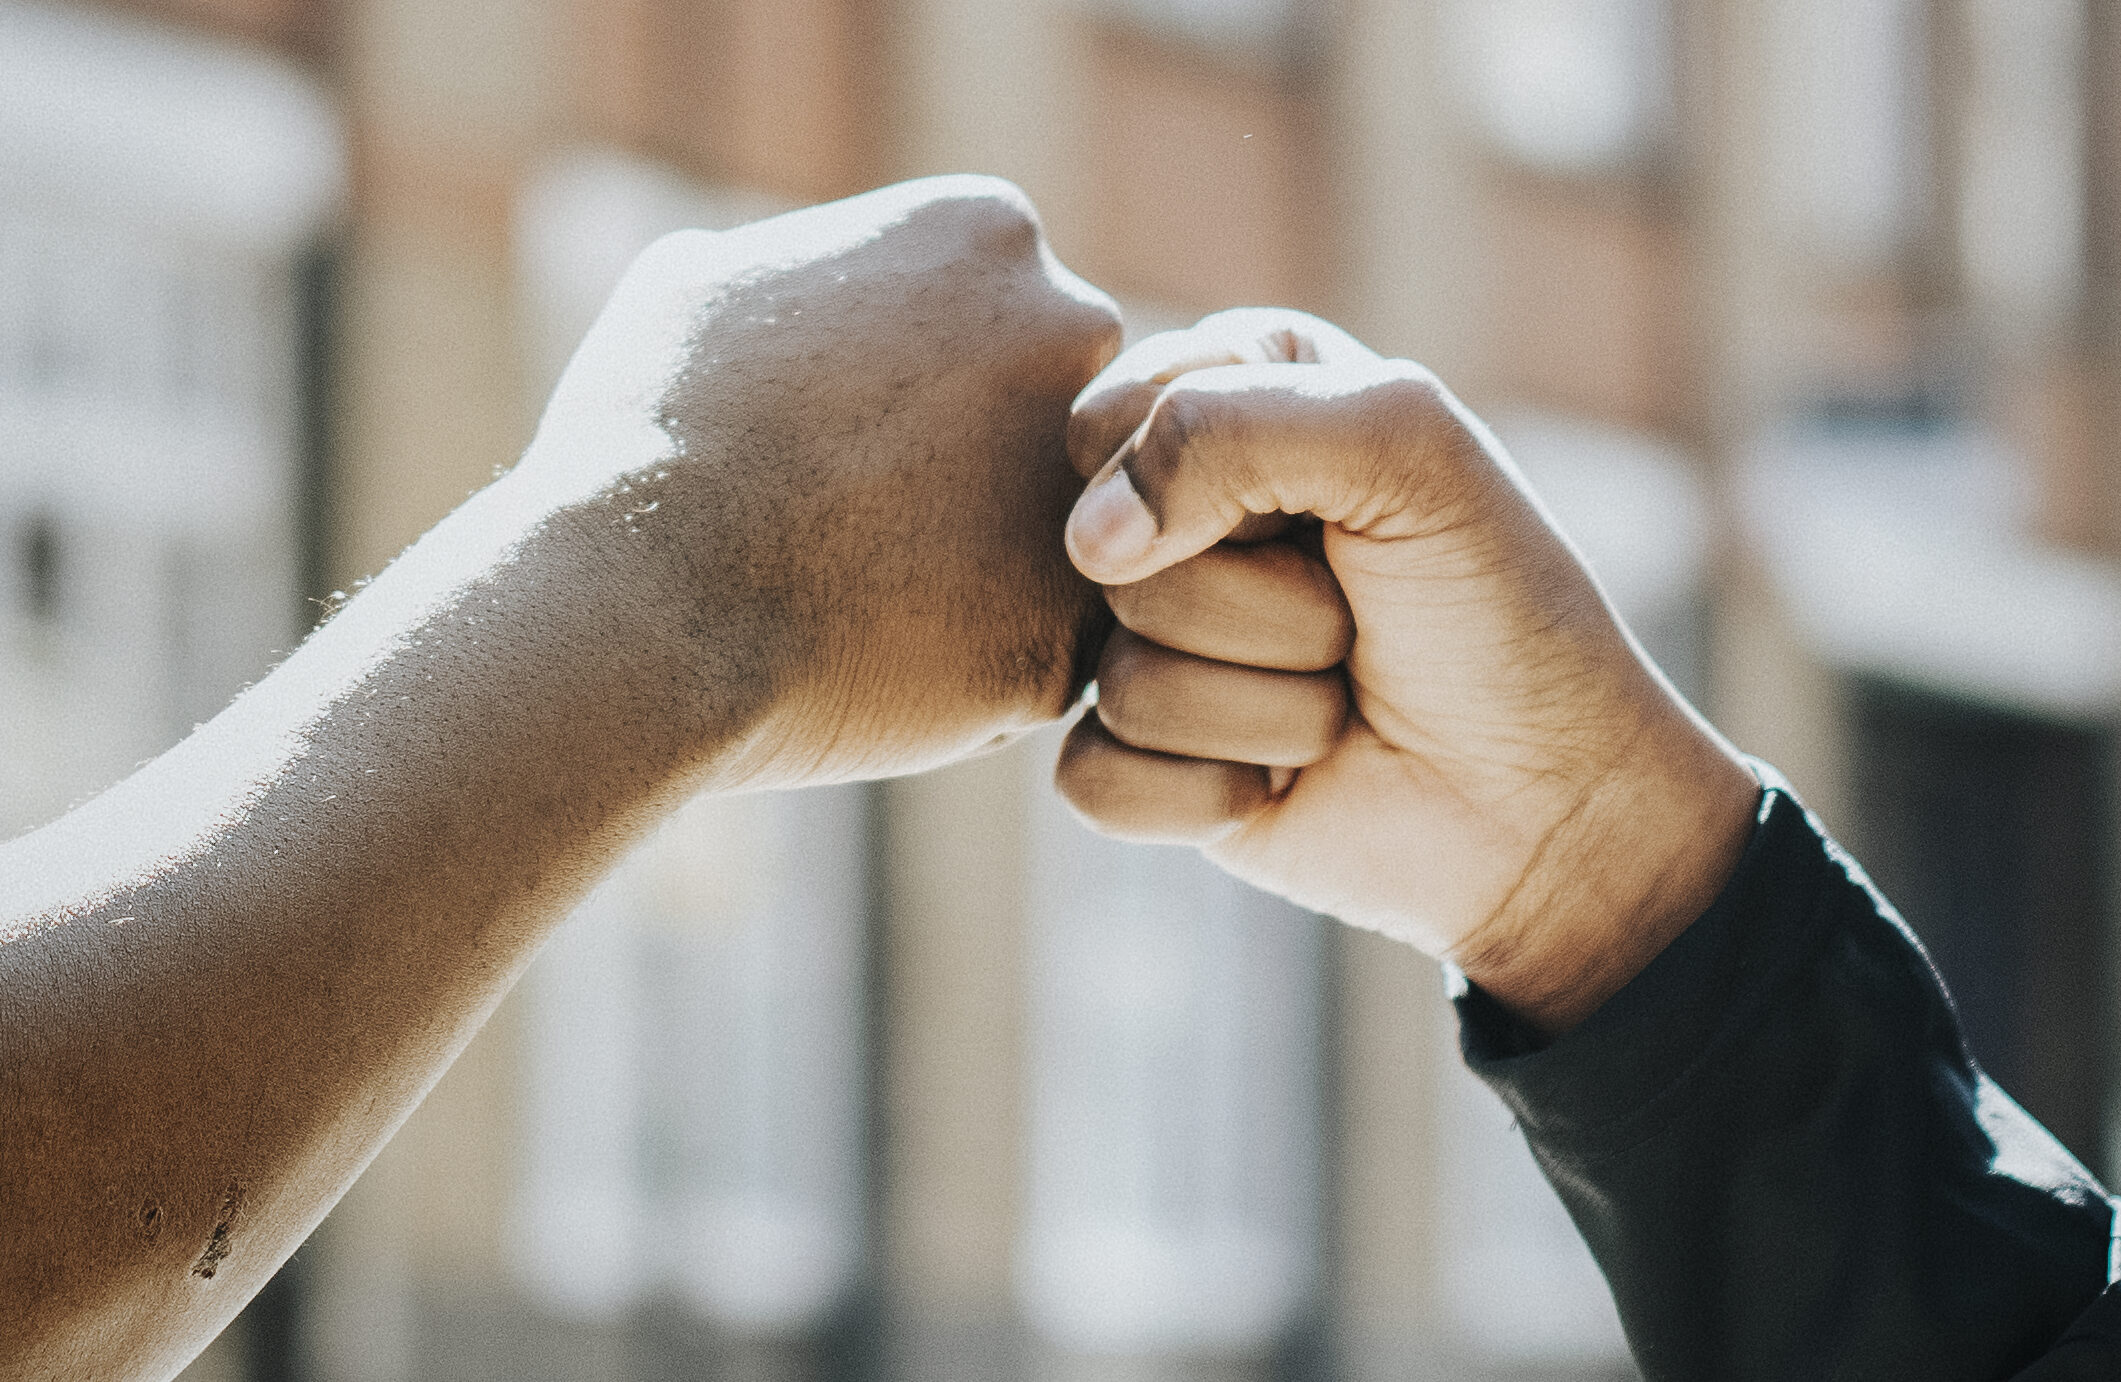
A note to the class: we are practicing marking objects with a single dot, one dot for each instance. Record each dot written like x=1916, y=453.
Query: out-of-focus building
x=1803, y=316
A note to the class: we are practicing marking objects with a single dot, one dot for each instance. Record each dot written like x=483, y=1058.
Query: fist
x=1358, y=667
x=834, y=442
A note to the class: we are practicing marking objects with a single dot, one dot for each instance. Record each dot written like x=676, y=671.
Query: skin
x=739, y=554
x=1359, y=667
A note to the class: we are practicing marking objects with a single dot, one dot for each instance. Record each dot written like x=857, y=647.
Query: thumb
x=1349, y=443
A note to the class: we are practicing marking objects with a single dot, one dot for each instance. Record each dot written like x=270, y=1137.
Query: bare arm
x=738, y=555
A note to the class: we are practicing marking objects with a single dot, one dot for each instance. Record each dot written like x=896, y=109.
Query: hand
x=1408, y=705
x=792, y=515
x=837, y=440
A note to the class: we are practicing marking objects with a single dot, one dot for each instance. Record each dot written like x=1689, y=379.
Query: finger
x=1115, y=403
x=1151, y=697
x=1153, y=798
x=1354, y=445
x=1270, y=605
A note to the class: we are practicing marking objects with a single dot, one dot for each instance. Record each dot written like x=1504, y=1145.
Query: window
x=2021, y=204
x=1264, y=26
x=693, y=1072
x=1568, y=86
x=158, y=196
x=1174, y=1189
x=1846, y=88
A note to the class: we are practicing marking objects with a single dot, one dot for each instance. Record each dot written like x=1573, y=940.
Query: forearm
x=742, y=552
x=228, y=979
x=1643, y=850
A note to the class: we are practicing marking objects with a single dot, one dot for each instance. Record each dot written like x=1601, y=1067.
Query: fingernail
x=1111, y=526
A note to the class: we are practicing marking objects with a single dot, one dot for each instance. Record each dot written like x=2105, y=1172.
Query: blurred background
x=1803, y=315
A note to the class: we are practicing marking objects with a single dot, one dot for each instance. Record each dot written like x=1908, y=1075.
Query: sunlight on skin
x=1504, y=779
x=737, y=555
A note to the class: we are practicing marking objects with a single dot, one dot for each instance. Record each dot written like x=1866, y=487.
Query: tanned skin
x=1360, y=668
x=793, y=516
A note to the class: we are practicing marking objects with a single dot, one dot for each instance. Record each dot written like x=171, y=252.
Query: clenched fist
x=1359, y=668
x=836, y=441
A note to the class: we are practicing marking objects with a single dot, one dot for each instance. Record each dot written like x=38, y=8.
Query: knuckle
x=1182, y=421
x=1121, y=659
x=1130, y=692
x=1122, y=710
x=1131, y=604
x=1101, y=327
x=1103, y=419
x=1087, y=429
x=1152, y=798
x=1233, y=323
x=677, y=254
x=1409, y=394
x=1079, y=774
x=1090, y=429
x=1257, y=321
x=1182, y=418
x=992, y=213
x=1407, y=424
x=678, y=244
x=1066, y=339
x=1104, y=781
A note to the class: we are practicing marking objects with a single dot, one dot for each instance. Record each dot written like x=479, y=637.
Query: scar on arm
x=217, y=1244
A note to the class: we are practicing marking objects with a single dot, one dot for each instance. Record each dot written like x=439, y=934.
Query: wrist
x=569, y=621
x=1648, y=847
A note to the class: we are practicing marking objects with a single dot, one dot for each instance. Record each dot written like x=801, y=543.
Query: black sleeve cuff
x=2088, y=1351
x=1781, y=1155
x=1609, y=1077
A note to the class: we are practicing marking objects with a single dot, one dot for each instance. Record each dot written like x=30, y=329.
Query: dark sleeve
x=2089, y=1352
x=1785, y=1162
